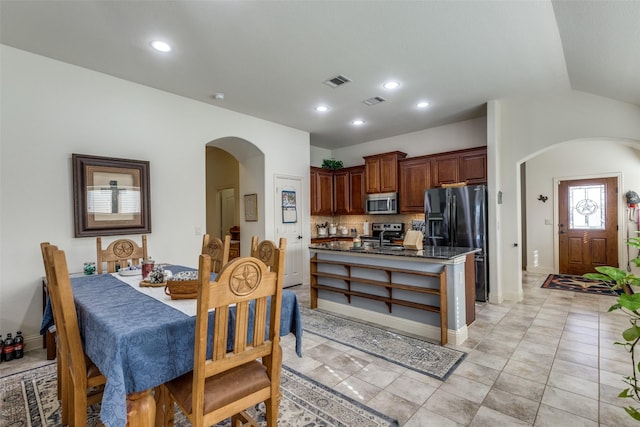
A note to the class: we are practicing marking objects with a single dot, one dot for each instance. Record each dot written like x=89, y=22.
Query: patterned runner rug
x=412, y=353
x=567, y=282
x=29, y=399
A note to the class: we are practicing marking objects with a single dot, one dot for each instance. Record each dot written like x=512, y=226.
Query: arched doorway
x=222, y=189
x=539, y=193
x=234, y=164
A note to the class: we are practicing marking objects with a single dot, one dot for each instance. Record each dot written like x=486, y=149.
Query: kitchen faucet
x=381, y=237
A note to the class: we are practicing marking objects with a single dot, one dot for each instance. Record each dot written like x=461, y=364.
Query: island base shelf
x=388, y=285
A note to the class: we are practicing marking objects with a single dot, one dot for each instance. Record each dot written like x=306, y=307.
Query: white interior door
x=227, y=211
x=289, y=197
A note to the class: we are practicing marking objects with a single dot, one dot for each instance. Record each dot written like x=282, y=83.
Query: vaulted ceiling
x=270, y=58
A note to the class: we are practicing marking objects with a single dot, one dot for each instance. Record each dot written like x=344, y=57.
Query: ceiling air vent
x=337, y=81
x=373, y=101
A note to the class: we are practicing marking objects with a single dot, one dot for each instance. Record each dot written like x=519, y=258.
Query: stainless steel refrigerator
x=457, y=216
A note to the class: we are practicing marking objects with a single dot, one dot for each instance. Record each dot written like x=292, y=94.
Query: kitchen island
x=423, y=292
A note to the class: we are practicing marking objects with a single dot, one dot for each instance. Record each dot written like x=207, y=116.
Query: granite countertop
x=437, y=252
x=332, y=236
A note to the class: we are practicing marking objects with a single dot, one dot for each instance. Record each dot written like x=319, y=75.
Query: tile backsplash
x=357, y=221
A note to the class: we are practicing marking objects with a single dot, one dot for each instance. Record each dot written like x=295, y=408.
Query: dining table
x=140, y=338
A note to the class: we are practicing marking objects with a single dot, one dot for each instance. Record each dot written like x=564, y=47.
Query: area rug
x=580, y=284
x=412, y=353
x=29, y=399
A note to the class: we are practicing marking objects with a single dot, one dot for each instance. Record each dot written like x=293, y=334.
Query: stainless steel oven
x=388, y=231
x=382, y=203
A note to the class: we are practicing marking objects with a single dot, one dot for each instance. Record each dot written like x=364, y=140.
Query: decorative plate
x=130, y=271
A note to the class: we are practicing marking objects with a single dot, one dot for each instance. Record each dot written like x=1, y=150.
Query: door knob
x=299, y=237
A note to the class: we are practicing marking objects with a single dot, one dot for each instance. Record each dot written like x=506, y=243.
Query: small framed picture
x=251, y=207
x=289, y=213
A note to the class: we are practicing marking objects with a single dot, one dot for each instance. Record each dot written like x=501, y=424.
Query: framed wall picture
x=110, y=196
x=251, y=207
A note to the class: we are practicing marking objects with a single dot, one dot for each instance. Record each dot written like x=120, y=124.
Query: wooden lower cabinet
x=234, y=250
x=470, y=288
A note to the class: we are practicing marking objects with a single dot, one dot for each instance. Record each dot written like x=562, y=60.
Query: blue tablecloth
x=139, y=342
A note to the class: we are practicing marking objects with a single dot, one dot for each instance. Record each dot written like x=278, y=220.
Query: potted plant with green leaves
x=332, y=164
x=629, y=303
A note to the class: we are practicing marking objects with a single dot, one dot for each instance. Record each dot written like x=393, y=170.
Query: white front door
x=288, y=224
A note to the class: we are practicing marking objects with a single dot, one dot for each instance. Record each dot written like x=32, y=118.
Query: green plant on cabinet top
x=332, y=164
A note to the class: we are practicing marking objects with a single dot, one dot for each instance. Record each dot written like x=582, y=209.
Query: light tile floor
x=548, y=360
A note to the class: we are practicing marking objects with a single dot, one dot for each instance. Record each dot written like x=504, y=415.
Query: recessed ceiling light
x=160, y=46
x=322, y=108
x=422, y=104
x=357, y=122
x=391, y=85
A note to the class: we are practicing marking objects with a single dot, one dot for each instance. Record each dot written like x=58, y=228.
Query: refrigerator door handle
x=453, y=221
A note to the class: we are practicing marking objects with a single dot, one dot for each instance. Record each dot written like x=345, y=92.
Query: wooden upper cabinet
x=348, y=191
x=356, y=178
x=445, y=169
x=414, y=177
x=372, y=175
x=381, y=172
x=321, y=191
x=459, y=166
x=473, y=166
x=341, y=191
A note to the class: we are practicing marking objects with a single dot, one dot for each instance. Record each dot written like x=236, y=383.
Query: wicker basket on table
x=183, y=285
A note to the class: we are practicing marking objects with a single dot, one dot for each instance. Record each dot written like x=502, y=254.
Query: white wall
x=318, y=154
x=518, y=130
x=51, y=109
x=587, y=158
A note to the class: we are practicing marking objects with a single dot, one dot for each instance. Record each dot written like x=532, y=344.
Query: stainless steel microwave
x=382, y=203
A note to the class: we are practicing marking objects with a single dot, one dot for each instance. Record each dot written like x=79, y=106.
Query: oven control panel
x=388, y=227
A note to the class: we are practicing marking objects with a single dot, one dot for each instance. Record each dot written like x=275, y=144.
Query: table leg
x=164, y=407
x=141, y=409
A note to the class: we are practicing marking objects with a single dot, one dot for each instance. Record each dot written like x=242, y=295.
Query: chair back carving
x=217, y=249
x=121, y=251
x=267, y=250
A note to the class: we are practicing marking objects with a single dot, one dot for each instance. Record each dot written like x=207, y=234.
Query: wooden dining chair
x=266, y=251
x=122, y=251
x=47, y=271
x=82, y=381
x=217, y=249
x=226, y=383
